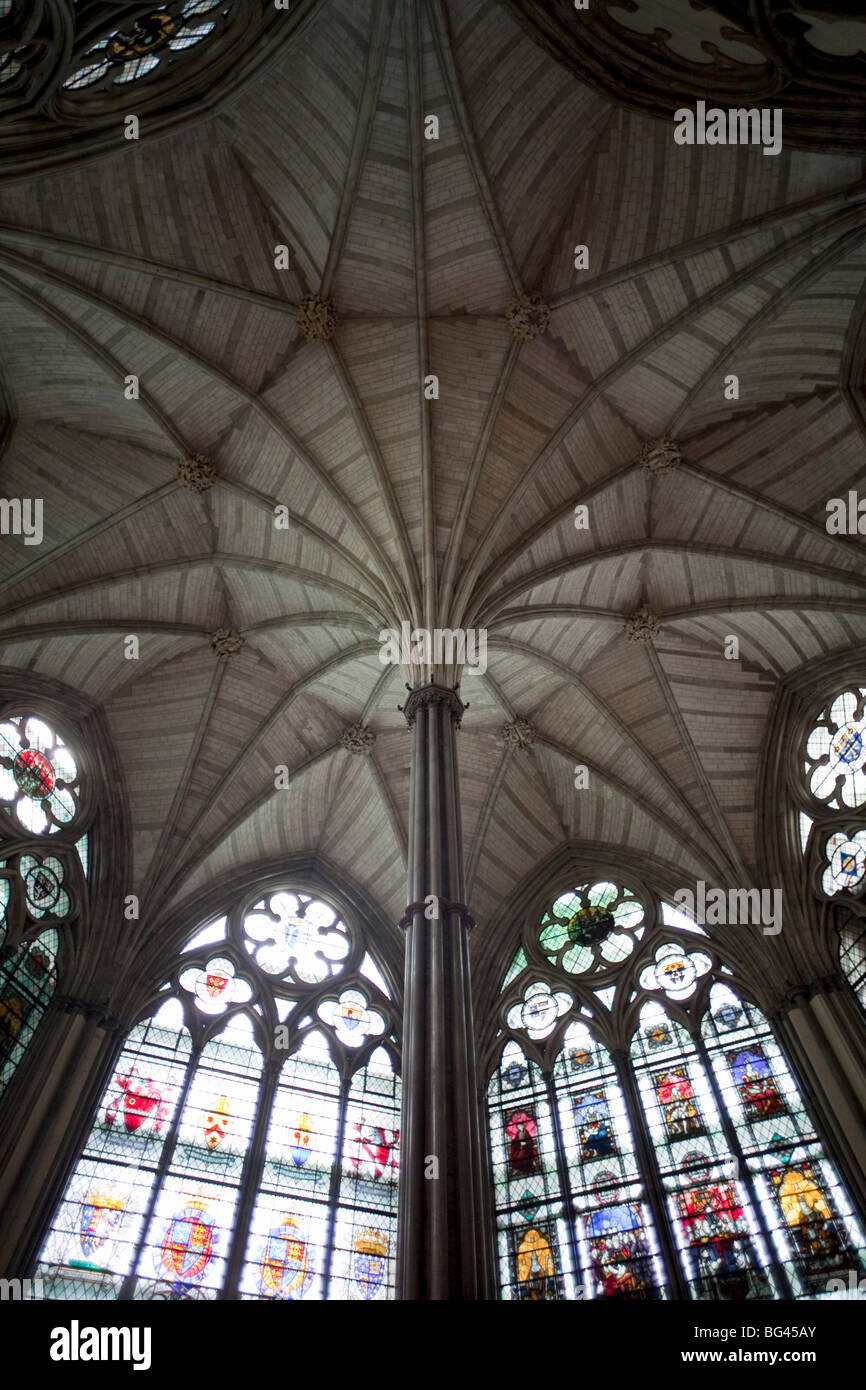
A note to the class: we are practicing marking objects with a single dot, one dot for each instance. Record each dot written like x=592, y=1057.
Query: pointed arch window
x=44, y=852
x=831, y=793
x=247, y=1142
x=648, y=1139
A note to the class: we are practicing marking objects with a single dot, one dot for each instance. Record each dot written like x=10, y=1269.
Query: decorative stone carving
x=226, y=642
x=358, y=738
x=196, y=471
x=660, y=456
x=528, y=315
x=433, y=695
x=642, y=626
x=519, y=733
x=94, y=1013
x=317, y=318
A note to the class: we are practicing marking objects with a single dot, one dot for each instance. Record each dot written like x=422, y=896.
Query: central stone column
x=444, y=1242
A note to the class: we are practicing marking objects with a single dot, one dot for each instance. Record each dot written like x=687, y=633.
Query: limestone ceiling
x=157, y=260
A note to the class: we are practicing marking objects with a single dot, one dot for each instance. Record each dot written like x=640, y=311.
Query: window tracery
x=267, y=1065
x=68, y=68
x=832, y=785
x=43, y=869
x=656, y=1147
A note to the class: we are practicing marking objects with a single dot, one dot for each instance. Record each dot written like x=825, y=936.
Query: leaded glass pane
x=286, y=1254
x=721, y=1247
x=189, y=1235
x=616, y=1243
x=289, y=933
x=534, y=1252
x=845, y=856
x=836, y=752
x=852, y=952
x=154, y=1201
x=39, y=778
x=519, y=963
x=814, y=1231
x=92, y=1244
x=28, y=976
x=141, y=45
x=365, y=1236
x=591, y=927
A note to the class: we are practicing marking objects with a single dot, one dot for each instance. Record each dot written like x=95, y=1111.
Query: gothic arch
x=648, y=1138
x=254, y=1107
x=653, y=880
x=312, y=874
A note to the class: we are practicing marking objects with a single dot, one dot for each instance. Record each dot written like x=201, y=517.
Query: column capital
x=94, y=1013
x=461, y=909
x=796, y=995
x=433, y=694
x=832, y=983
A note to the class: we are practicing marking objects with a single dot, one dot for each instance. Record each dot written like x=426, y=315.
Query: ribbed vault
x=158, y=261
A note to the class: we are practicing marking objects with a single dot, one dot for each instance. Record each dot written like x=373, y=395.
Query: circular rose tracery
x=592, y=927
x=34, y=774
x=39, y=780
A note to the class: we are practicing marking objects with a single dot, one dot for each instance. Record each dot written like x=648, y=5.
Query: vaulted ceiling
x=158, y=260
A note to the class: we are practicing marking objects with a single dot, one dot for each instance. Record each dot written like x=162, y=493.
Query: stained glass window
x=126, y=54
x=255, y=1076
x=39, y=781
x=592, y=926
x=366, y=1222
x=287, y=1249
x=833, y=837
x=97, y=1232
x=660, y=1148
x=721, y=1249
x=534, y=1249
x=613, y=1228
x=28, y=975
x=845, y=855
x=852, y=950
x=804, y=1205
x=43, y=867
x=836, y=752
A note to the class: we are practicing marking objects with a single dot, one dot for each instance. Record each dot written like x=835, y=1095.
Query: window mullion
x=562, y=1173
x=649, y=1168
x=250, y=1179
x=162, y=1168
x=334, y=1190
x=743, y=1171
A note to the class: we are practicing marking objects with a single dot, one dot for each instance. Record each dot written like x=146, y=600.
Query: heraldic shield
x=368, y=1261
x=188, y=1244
x=285, y=1267
x=140, y=1102
x=101, y=1211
